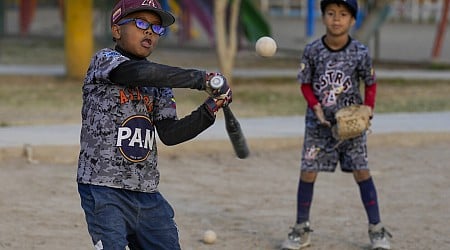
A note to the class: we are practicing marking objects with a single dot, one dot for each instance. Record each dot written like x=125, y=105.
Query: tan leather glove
x=352, y=121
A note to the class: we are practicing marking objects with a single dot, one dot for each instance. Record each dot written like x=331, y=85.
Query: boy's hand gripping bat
x=232, y=125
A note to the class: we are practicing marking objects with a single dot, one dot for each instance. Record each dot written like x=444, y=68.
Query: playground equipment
x=27, y=9
x=378, y=14
x=286, y=6
x=372, y=22
x=79, y=37
x=78, y=19
x=417, y=10
x=440, y=32
x=2, y=17
x=252, y=22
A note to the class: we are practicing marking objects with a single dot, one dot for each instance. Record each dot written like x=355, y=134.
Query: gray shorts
x=321, y=154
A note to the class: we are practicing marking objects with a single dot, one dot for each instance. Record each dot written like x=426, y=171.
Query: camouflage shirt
x=335, y=75
x=118, y=136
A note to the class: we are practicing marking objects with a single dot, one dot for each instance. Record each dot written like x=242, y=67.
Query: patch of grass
x=46, y=100
x=31, y=51
x=412, y=96
x=39, y=99
x=282, y=97
x=253, y=98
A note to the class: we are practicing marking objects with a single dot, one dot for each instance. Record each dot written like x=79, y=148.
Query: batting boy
x=126, y=101
x=330, y=72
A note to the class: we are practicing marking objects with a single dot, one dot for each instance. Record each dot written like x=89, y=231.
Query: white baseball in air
x=265, y=46
x=209, y=237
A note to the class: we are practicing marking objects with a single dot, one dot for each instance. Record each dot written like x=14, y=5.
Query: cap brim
x=167, y=18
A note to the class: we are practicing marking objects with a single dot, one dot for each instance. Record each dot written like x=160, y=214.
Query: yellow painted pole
x=78, y=36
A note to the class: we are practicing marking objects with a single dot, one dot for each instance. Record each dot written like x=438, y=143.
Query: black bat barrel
x=234, y=131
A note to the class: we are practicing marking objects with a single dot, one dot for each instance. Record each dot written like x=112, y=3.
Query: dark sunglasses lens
x=158, y=29
x=141, y=24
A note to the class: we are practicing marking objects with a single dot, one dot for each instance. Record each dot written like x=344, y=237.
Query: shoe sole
x=381, y=247
x=305, y=246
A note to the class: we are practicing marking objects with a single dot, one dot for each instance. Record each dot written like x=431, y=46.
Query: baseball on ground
x=265, y=46
x=209, y=237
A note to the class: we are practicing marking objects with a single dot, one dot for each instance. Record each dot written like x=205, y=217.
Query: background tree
x=226, y=27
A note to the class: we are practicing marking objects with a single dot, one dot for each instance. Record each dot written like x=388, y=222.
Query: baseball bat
x=235, y=133
x=232, y=125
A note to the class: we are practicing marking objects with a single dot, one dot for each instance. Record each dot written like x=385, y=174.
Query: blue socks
x=370, y=200
x=368, y=197
x=304, y=199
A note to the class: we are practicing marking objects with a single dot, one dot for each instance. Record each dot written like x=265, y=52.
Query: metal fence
x=402, y=39
x=415, y=11
x=47, y=17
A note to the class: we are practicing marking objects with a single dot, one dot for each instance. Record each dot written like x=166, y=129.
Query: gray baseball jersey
x=335, y=77
x=118, y=136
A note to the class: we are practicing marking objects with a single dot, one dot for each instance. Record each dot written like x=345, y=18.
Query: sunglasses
x=144, y=25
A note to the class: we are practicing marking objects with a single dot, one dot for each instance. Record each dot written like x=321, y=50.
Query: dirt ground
x=249, y=203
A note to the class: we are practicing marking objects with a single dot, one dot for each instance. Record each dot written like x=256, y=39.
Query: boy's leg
x=377, y=233
x=139, y=220
x=299, y=238
x=106, y=223
x=156, y=227
x=305, y=193
x=354, y=158
x=370, y=200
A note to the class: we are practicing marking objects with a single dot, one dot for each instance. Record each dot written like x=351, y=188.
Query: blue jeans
x=117, y=218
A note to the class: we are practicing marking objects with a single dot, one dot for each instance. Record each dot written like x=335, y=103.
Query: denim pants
x=117, y=218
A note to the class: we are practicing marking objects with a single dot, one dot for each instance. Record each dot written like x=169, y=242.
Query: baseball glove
x=352, y=121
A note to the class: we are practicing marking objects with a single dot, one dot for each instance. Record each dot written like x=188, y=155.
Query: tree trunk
x=226, y=35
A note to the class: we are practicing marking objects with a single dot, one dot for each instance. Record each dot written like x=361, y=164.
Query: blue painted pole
x=310, y=19
x=165, y=5
x=359, y=19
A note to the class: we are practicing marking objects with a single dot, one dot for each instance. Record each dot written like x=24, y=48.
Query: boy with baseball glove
x=330, y=72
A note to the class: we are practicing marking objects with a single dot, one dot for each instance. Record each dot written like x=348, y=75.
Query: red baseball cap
x=125, y=7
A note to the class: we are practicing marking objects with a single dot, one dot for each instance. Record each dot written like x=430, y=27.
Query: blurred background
x=40, y=121
x=400, y=31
